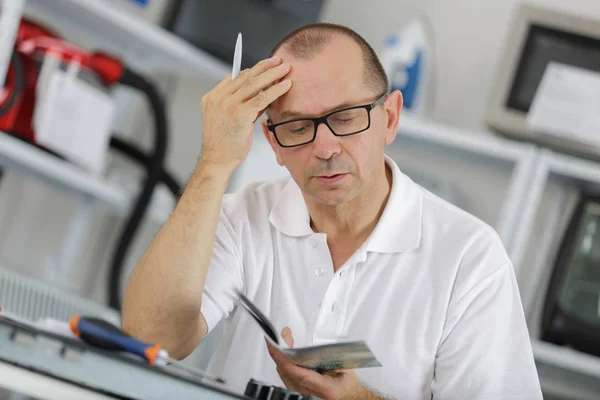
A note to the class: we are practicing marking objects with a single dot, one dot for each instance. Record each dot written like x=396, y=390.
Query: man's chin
x=332, y=197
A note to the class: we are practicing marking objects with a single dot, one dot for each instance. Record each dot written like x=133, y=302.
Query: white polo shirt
x=432, y=291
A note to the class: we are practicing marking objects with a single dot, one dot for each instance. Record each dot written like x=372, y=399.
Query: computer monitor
x=213, y=25
x=571, y=309
x=538, y=36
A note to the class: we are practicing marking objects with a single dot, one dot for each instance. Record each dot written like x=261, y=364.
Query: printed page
x=566, y=105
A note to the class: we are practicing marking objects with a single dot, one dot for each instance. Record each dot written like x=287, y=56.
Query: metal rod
x=194, y=371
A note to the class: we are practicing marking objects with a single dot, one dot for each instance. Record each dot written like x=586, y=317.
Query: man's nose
x=326, y=144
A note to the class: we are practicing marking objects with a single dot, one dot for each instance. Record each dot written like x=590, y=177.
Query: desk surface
x=51, y=367
x=42, y=387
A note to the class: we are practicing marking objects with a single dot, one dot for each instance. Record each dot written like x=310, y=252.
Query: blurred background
x=502, y=102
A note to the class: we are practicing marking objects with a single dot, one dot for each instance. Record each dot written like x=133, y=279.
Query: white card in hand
x=74, y=119
x=567, y=104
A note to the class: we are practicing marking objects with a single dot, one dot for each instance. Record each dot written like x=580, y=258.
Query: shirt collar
x=398, y=229
x=290, y=214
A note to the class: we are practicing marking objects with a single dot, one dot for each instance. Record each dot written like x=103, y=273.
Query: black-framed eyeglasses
x=346, y=122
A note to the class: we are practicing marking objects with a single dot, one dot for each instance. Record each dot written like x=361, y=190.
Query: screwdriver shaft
x=194, y=371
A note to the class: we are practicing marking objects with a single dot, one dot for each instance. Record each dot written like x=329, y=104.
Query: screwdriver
x=104, y=335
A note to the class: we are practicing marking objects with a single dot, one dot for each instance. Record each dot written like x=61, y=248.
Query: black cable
x=129, y=150
x=154, y=175
x=19, y=82
x=172, y=184
x=136, y=154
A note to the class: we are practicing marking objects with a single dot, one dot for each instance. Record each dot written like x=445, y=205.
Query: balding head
x=310, y=40
x=333, y=72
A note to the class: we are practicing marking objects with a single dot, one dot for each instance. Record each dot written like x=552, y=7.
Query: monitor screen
x=543, y=46
x=213, y=25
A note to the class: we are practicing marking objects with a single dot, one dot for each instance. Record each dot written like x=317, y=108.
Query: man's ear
x=271, y=139
x=393, y=108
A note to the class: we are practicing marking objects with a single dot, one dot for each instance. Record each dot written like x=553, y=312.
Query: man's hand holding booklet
x=321, y=358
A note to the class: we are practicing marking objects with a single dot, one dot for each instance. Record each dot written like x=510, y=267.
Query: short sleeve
x=225, y=275
x=485, y=352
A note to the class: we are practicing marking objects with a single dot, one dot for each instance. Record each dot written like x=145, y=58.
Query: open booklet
x=321, y=358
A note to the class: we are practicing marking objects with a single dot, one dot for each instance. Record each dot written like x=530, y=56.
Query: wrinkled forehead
x=333, y=76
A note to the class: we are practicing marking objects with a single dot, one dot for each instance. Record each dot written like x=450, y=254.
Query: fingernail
x=284, y=66
x=275, y=58
x=286, y=82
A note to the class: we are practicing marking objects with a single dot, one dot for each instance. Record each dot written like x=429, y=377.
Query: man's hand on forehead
x=231, y=108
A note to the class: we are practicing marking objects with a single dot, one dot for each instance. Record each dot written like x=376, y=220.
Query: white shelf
x=25, y=382
x=573, y=167
x=482, y=143
x=567, y=373
x=142, y=44
x=28, y=160
x=566, y=358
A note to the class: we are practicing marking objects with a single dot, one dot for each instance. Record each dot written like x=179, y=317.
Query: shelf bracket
x=12, y=11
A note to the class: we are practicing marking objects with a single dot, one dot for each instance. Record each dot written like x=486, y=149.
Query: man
x=347, y=248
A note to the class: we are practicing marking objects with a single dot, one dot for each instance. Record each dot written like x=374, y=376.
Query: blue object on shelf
x=406, y=59
x=409, y=83
x=141, y=2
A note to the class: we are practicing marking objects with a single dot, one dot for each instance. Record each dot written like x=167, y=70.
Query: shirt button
x=333, y=306
x=314, y=244
x=319, y=271
x=341, y=273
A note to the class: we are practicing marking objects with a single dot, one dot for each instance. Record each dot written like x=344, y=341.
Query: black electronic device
x=263, y=391
x=213, y=25
x=572, y=309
